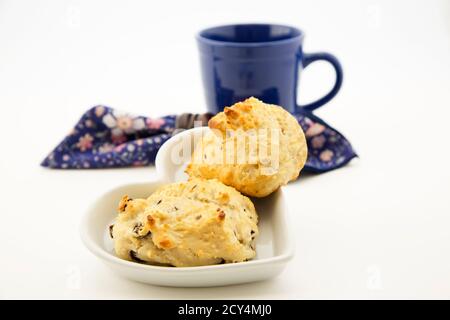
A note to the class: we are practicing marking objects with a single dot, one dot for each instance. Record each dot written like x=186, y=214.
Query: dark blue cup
x=260, y=60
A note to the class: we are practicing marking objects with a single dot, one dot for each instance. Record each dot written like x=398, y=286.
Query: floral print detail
x=105, y=148
x=314, y=130
x=106, y=138
x=327, y=148
x=99, y=111
x=326, y=155
x=85, y=142
x=120, y=147
x=89, y=123
x=154, y=124
x=318, y=142
x=123, y=123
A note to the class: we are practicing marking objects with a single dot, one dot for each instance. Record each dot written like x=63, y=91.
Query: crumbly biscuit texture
x=269, y=148
x=193, y=223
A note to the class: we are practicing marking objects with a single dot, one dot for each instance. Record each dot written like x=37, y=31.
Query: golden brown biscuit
x=193, y=223
x=269, y=148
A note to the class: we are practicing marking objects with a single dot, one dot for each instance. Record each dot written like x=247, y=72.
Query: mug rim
x=201, y=38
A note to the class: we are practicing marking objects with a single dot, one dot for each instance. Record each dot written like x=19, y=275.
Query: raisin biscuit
x=268, y=143
x=193, y=223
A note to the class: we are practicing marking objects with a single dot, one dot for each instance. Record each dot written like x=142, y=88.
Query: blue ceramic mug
x=260, y=60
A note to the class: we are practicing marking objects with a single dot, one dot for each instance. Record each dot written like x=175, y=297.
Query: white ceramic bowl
x=274, y=245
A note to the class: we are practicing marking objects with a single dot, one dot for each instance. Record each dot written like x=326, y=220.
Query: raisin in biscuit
x=272, y=141
x=193, y=223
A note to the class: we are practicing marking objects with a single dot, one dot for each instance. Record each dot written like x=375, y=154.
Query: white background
x=378, y=228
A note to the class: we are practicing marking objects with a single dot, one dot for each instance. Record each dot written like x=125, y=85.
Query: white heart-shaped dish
x=274, y=245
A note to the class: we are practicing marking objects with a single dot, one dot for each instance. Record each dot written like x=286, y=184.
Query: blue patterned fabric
x=328, y=149
x=107, y=138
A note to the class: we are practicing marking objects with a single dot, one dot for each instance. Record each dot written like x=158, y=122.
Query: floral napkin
x=107, y=138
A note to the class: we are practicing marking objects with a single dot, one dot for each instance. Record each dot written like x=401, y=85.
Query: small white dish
x=274, y=245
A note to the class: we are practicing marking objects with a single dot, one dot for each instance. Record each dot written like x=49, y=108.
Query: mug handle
x=309, y=58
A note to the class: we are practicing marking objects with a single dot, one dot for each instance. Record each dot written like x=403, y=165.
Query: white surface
x=274, y=246
x=378, y=228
